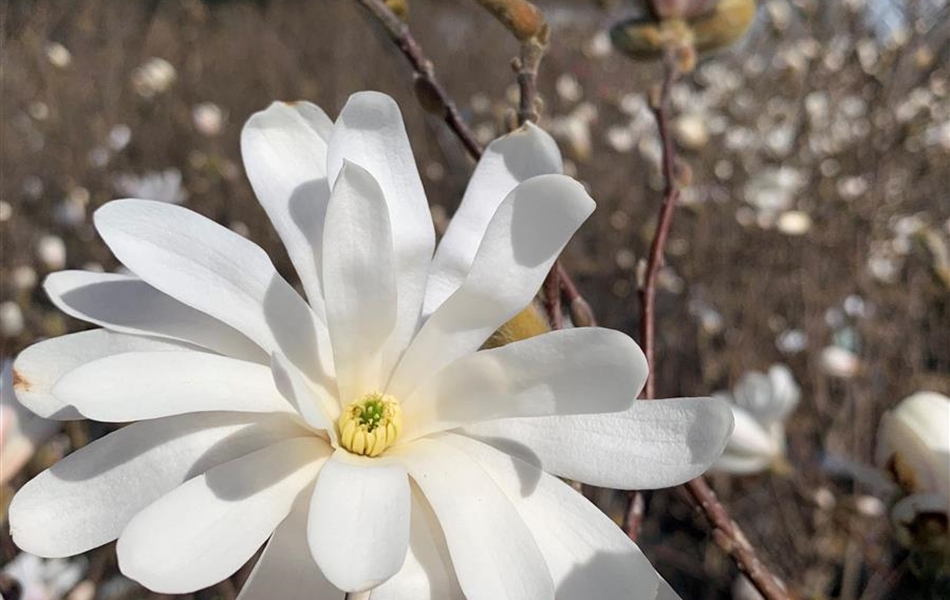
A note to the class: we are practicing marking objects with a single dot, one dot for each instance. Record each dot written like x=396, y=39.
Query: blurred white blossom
x=761, y=403
x=913, y=446
x=153, y=77
x=21, y=432
x=58, y=55
x=208, y=118
x=162, y=186
x=51, y=252
x=42, y=578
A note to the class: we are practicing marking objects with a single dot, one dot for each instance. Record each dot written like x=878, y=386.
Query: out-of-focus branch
x=726, y=532
x=430, y=92
x=730, y=537
x=660, y=104
x=526, y=22
x=581, y=313
x=434, y=98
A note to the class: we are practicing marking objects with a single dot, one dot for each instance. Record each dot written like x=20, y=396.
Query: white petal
x=208, y=527
x=507, y=161
x=571, y=371
x=768, y=398
x=286, y=565
x=359, y=523
x=86, y=499
x=214, y=270
x=665, y=592
x=523, y=239
x=785, y=390
x=21, y=432
x=145, y=385
x=653, y=444
x=428, y=570
x=38, y=368
x=740, y=464
x=587, y=554
x=318, y=410
x=749, y=437
x=285, y=156
x=129, y=305
x=494, y=554
x=370, y=133
x=360, y=277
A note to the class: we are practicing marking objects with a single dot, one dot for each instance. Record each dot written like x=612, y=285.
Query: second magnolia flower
x=262, y=414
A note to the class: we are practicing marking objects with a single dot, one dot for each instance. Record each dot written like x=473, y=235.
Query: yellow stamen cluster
x=370, y=425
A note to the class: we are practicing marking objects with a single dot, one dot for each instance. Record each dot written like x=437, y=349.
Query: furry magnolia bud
x=399, y=7
x=526, y=324
x=728, y=22
x=676, y=9
x=647, y=38
x=520, y=17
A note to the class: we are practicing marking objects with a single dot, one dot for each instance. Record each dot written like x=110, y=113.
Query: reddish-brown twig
x=430, y=92
x=660, y=103
x=526, y=22
x=727, y=534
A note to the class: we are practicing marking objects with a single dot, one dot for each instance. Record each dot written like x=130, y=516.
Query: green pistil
x=371, y=413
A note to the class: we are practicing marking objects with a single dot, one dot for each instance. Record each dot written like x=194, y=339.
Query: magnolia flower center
x=371, y=424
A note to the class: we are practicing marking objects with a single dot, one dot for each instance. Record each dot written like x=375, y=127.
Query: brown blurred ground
x=242, y=55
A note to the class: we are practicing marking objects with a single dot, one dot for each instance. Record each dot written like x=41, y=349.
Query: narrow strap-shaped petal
x=146, y=385
x=523, y=239
x=653, y=444
x=127, y=304
x=285, y=565
x=208, y=527
x=572, y=371
x=285, y=157
x=428, y=571
x=518, y=156
x=588, y=555
x=38, y=368
x=494, y=553
x=370, y=132
x=360, y=277
x=214, y=270
x=665, y=591
x=86, y=499
x=358, y=528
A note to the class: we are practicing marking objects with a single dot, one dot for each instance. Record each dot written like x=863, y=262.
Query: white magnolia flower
x=42, y=579
x=360, y=434
x=208, y=118
x=913, y=446
x=21, y=432
x=760, y=405
x=154, y=76
x=161, y=186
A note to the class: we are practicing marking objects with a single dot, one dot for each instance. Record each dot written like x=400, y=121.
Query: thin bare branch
x=661, y=107
x=726, y=532
x=430, y=92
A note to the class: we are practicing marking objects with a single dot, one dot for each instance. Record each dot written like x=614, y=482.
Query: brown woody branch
x=526, y=22
x=726, y=532
x=430, y=92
